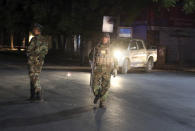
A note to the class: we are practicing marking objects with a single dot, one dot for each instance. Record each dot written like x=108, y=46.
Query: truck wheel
x=150, y=65
x=125, y=67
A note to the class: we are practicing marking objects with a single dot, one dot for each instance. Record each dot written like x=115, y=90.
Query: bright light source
x=117, y=54
x=116, y=83
x=68, y=74
x=108, y=24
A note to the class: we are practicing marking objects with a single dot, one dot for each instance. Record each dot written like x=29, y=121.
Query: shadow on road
x=47, y=118
x=15, y=102
x=98, y=118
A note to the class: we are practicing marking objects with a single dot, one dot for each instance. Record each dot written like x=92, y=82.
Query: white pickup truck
x=132, y=53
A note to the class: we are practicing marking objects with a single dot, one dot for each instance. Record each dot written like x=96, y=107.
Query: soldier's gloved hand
x=114, y=72
x=91, y=63
x=41, y=58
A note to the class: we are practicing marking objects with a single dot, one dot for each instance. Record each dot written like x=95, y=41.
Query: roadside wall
x=180, y=44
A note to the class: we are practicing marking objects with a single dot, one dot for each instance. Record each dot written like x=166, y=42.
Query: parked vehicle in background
x=132, y=53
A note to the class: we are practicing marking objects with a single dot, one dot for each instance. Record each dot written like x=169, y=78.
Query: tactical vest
x=103, y=56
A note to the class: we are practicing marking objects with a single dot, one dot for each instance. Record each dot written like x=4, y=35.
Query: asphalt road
x=157, y=101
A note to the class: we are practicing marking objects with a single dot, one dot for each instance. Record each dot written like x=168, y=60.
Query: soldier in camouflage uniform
x=36, y=51
x=103, y=64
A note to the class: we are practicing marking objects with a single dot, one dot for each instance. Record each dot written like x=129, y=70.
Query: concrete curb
x=175, y=68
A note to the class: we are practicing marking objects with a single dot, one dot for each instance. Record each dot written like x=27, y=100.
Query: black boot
x=32, y=92
x=96, y=99
x=102, y=104
x=39, y=96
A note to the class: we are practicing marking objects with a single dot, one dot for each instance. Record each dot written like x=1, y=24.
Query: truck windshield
x=121, y=43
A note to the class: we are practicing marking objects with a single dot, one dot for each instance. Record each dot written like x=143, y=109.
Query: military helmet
x=38, y=26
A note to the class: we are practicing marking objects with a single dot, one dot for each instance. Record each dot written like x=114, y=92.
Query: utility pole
x=12, y=40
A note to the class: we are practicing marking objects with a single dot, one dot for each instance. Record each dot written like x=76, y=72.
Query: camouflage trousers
x=101, y=84
x=35, y=68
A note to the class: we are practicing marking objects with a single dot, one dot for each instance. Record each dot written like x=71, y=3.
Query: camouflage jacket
x=38, y=47
x=103, y=57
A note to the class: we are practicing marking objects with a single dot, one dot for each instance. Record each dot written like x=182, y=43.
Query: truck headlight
x=117, y=54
